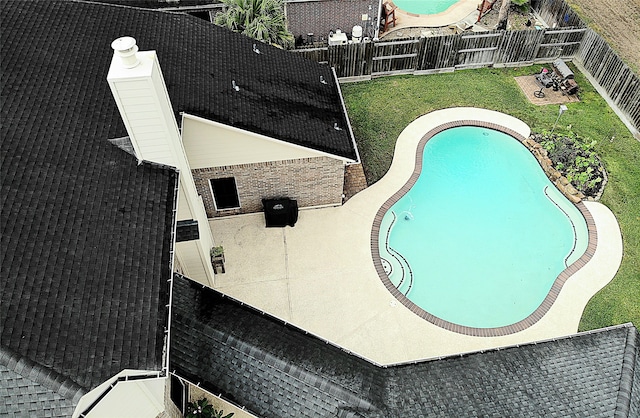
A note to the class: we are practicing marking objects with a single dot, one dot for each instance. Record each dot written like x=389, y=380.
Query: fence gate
x=395, y=57
x=478, y=50
x=559, y=43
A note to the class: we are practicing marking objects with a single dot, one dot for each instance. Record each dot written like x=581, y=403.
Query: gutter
x=172, y=251
x=628, y=325
x=268, y=138
x=119, y=379
x=375, y=37
x=346, y=115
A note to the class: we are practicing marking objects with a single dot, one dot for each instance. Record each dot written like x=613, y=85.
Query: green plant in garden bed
x=216, y=251
x=575, y=158
x=381, y=108
x=203, y=409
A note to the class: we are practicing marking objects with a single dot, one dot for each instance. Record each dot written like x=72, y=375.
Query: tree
x=503, y=15
x=262, y=20
x=523, y=5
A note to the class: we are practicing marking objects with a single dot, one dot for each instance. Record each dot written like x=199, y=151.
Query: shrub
x=203, y=409
x=575, y=158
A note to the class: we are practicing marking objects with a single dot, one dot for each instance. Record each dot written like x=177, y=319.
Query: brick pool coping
x=461, y=329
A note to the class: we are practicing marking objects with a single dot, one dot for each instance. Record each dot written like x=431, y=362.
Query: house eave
x=346, y=160
x=346, y=117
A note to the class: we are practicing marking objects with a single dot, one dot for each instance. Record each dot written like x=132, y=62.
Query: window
x=225, y=193
x=177, y=393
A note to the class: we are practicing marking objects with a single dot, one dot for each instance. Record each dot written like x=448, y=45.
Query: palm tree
x=263, y=20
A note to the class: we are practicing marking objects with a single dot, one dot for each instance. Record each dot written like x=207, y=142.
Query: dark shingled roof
x=277, y=370
x=281, y=94
x=159, y=4
x=28, y=389
x=86, y=231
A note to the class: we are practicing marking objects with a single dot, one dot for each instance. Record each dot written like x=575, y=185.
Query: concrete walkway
x=319, y=275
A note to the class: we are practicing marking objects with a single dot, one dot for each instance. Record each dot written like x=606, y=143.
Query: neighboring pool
x=482, y=235
x=424, y=7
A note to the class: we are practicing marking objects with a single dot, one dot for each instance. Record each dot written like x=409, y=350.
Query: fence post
x=420, y=53
x=368, y=58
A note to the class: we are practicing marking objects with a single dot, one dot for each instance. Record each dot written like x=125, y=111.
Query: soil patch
x=529, y=86
x=616, y=21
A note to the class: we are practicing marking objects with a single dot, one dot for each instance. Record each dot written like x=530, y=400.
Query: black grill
x=280, y=212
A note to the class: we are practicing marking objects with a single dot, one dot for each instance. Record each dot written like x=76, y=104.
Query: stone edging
x=554, y=175
x=561, y=182
x=461, y=329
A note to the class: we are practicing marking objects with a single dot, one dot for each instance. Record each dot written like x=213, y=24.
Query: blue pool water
x=424, y=7
x=482, y=235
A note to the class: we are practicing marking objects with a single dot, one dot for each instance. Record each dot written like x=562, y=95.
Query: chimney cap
x=125, y=47
x=123, y=44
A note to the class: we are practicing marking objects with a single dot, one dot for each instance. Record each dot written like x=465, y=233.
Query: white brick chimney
x=140, y=93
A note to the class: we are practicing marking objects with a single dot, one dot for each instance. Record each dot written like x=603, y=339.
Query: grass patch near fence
x=381, y=108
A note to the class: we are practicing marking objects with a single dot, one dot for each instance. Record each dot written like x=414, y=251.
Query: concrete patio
x=319, y=275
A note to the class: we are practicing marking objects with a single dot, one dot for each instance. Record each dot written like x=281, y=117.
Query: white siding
x=184, y=209
x=141, y=399
x=144, y=119
x=135, y=398
x=210, y=144
x=191, y=261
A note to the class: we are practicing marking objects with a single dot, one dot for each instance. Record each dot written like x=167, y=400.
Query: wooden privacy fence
x=449, y=52
x=605, y=67
x=557, y=13
x=485, y=49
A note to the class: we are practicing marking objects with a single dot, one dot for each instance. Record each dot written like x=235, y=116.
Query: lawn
x=380, y=109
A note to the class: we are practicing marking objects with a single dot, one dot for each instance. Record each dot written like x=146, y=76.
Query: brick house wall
x=193, y=394
x=170, y=409
x=321, y=17
x=314, y=181
x=196, y=393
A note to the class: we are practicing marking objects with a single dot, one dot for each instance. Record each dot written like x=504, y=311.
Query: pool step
x=395, y=265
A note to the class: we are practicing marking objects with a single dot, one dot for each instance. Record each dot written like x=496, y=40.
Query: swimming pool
x=424, y=7
x=481, y=236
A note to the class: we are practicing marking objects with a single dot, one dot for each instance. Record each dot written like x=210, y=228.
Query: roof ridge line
x=45, y=376
x=298, y=372
x=631, y=351
x=159, y=165
x=124, y=143
x=101, y=3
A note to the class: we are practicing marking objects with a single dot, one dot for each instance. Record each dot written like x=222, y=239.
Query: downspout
x=375, y=38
